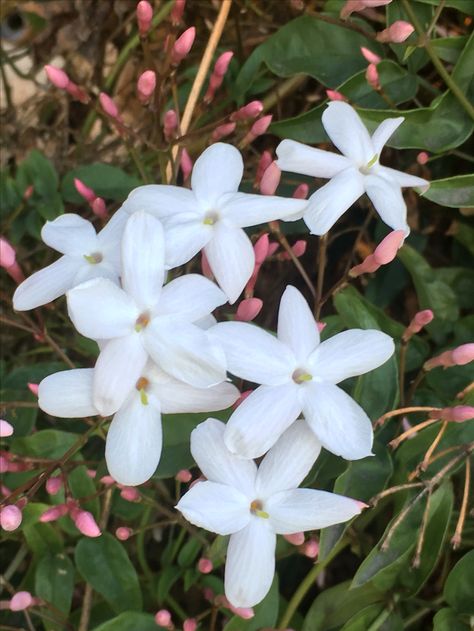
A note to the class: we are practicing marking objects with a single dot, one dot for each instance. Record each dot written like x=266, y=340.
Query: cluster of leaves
x=417, y=579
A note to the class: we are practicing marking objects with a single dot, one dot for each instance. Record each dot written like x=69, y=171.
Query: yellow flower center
x=94, y=258
x=365, y=170
x=142, y=321
x=256, y=509
x=301, y=376
x=141, y=385
x=211, y=218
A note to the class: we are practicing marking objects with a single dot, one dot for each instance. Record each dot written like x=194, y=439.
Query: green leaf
x=189, y=552
x=449, y=48
x=129, y=621
x=454, y=192
x=54, y=582
x=374, y=617
x=82, y=486
x=104, y=563
x=41, y=538
x=167, y=578
x=38, y=171
x=47, y=443
x=447, y=620
x=464, y=233
x=105, y=180
x=266, y=613
x=460, y=5
x=458, y=587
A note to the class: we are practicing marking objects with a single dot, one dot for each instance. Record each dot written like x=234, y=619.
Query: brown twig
x=456, y=540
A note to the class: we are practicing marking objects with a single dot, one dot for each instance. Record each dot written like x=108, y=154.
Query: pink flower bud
x=246, y=613
x=248, y=309
x=184, y=476
x=251, y=110
x=177, y=12
x=217, y=75
x=296, y=539
x=99, y=208
x=272, y=248
x=8, y=261
x=263, y=164
x=396, y=33
x=21, y=601
x=321, y=326
x=33, y=388
x=146, y=85
x=170, y=124
x=422, y=158
x=205, y=565
x=301, y=192
x=222, y=131
x=130, y=494
x=456, y=414
x=359, y=5
x=270, y=179
x=311, y=549
x=334, y=95
x=57, y=77
x=206, y=270
x=10, y=517
x=5, y=428
x=463, y=354
x=261, y=249
x=208, y=594
x=123, y=533
x=85, y=523
x=371, y=57
x=144, y=17
x=372, y=76
x=163, y=618
x=4, y=464
x=109, y=107
x=183, y=45
x=29, y=190
x=84, y=191
x=421, y=319
x=387, y=249
x=190, y=624
x=299, y=248
x=54, y=484
x=54, y=513
x=107, y=480
x=186, y=164
x=260, y=126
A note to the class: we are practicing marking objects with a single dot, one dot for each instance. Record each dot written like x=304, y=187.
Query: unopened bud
x=10, y=517
x=259, y=127
x=184, y=476
x=8, y=261
x=146, y=85
x=321, y=326
x=5, y=428
x=242, y=398
x=296, y=539
x=463, y=354
x=183, y=45
x=84, y=191
x=420, y=320
x=334, y=95
x=170, y=124
x=359, y=5
x=217, y=76
x=301, y=191
x=123, y=533
x=99, y=208
x=186, y=164
x=396, y=33
x=387, y=249
x=109, y=107
x=21, y=601
x=298, y=249
x=54, y=484
x=190, y=624
x=223, y=130
x=371, y=57
x=261, y=249
x=372, y=76
x=57, y=77
x=33, y=388
x=270, y=179
x=85, y=523
x=311, y=549
x=130, y=494
x=248, y=309
x=163, y=618
x=251, y=110
x=205, y=565
x=144, y=17
x=422, y=158
x=456, y=414
x=54, y=513
x=177, y=12
x=263, y=164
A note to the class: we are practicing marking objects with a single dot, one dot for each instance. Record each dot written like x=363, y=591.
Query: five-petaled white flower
x=86, y=255
x=212, y=216
x=254, y=505
x=134, y=439
x=352, y=174
x=299, y=376
x=145, y=319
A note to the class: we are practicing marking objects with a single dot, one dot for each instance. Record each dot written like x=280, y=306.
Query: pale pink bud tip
x=301, y=191
x=86, y=523
x=10, y=517
x=170, y=124
x=130, y=494
x=84, y=191
x=371, y=57
x=33, y=387
x=321, y=326
x=205, y=565
x=463, y=354
x=99, y=208
x=261, y=249
x=21, y=601
x=334, y=95
x=177, y=11
x=251, y=110
x=186, y=164
x=372, y=76
x=184, y=476
x=248, y=309
x=223, y=130
x=422, y=318
x=108, y=106
x=311, y=549
x=263, y=164
x=387, y=249
x=299, y=248
x=460, y=413
x=361, y=505
x=7, y=254
x=222, y=63
x=146, y=85
x=163, y=618
x=5, y=429
x=261, y=126
x=422, y=158
x=54, y=513
x=270, y=179
x=144, y=16
x=396, y=33
x=123, y=533
x=57, y=77
x=190, y=624
x=53, y=485
x=296, y=539
x=183, y=45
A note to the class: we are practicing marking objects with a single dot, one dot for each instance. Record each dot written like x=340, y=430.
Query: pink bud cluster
x=384, y=253
x=456, y=414
x=459, y=356
x=420, y=320
x=83, y=520
x=60, y=80
x=217, y=76
x=128, y=493
x=163, y=619
x=182, y=46
x=8, y=261
x=97, y=204
x=146, y=85
x=246, y=613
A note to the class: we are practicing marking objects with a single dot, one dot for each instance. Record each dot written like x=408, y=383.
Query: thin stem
x=408, y=410
x=289, y=250
x=322, y=258
x=416, y=428
x=456, y=540
x=434, y=444
x=421, y=536
x=401, y=377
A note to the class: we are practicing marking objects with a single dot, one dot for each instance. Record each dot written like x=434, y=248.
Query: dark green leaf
x=47, y=443
x=130, y=621
x=54, y=582
x=458, y=587
x=41, y=538
x=455, y=192
x=374, y=617
x=266, y=613
x=106, y=181
x=447, y=620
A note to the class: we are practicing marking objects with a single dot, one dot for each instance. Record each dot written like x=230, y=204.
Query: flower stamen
x=365, y=170
x=256, y=509
x=142, y=321
x=94, y=258
x=211, y=218
x=141, y=385
x=301, y=376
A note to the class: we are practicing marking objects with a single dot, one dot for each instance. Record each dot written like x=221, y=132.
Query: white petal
x=297, y=327
x=245, y=209
x=70, y=234
x=89, y=271
x=345, y=128
x=217, y=463
x=190, y=298
x=215, y=507
x=250, y=564
x=328, y=203
x=134, y=440
x=185, y=236
x=261, y=418
x=386, y=195
x=298, y=158
x=143, y=259
x=177, y=397
x=160, y=200
x=404, y=179
x=289, y=461
x=101, y=310
x=186, y=352
x=118, y=368
x=253, y=354
x=231, y=258
x=384, y=131
x=206, y=323
x=111, y=234
x=340, y=424
x=351, y=353
x=299, y=510
x=68, y=394
x=47, y=284
x=217, y=171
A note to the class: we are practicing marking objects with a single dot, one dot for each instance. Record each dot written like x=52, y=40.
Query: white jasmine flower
x=299, y=375
x=254, y=505
x=134, y=439
x=212, y=216
x=351, y=174
x=145, y=319
x=86, y=255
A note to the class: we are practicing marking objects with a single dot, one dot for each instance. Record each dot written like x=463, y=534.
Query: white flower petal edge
x=68, y=394
x=296, y=157
x=297, y=327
